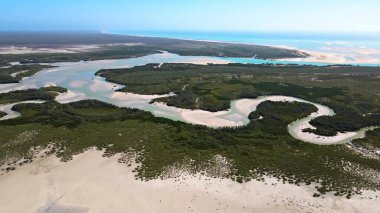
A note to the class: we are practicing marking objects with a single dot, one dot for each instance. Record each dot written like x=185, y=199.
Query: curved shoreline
x=81, y=83
x=306, y=56
x=7, y=108
x=237, y=116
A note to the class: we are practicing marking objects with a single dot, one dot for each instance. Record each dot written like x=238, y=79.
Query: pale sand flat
x=92, y=183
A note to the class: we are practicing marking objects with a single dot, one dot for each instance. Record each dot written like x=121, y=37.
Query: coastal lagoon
x=82, y=83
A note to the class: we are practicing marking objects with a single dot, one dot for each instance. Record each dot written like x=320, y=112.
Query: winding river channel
x=80, y=80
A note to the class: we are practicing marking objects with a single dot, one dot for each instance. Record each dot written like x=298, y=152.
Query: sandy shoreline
x=350, y=56
x=81, y=87
x=325, y=54
x=237, y=115
x=353, y=56
x=92, y=183
x=7, y=108
x=70, y=96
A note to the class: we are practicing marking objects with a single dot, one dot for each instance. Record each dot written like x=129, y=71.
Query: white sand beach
x=340, y=56
x=126, y=97
x=92, y=183
x=4, y=88
x=20, y=72
x=70, y=96
x=210, y=119
x=315, y=56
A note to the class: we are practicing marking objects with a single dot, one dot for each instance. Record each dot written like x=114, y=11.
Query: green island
x=46, y=93
x=14, y=74
x=262, y=148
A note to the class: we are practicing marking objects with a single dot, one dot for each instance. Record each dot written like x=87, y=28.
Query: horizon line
x=124, y=31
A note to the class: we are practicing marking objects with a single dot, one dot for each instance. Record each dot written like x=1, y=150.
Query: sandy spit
x=352, y=56
x=70, y=96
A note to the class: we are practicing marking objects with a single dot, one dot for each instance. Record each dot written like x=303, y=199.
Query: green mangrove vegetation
x=351, y=91
x=2, y=114
x=262, y=148
x=19, y=72
x=46, y=93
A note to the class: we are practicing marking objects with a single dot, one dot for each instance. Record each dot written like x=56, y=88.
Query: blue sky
x=192, y=15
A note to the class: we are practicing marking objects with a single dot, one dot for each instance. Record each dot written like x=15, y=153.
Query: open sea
x=355, y=49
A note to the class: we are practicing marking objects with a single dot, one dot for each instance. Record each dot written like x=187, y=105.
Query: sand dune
x=91, y=183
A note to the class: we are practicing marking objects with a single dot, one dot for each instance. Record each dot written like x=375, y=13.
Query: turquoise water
x=355, y=49
x=296, y=40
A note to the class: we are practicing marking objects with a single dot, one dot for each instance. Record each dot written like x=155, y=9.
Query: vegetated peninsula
x=96, y=46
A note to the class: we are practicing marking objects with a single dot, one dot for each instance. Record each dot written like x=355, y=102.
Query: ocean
x=338, y=48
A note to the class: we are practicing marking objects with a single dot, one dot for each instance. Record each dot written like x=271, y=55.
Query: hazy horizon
x=294, y=16
x=183, y=33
